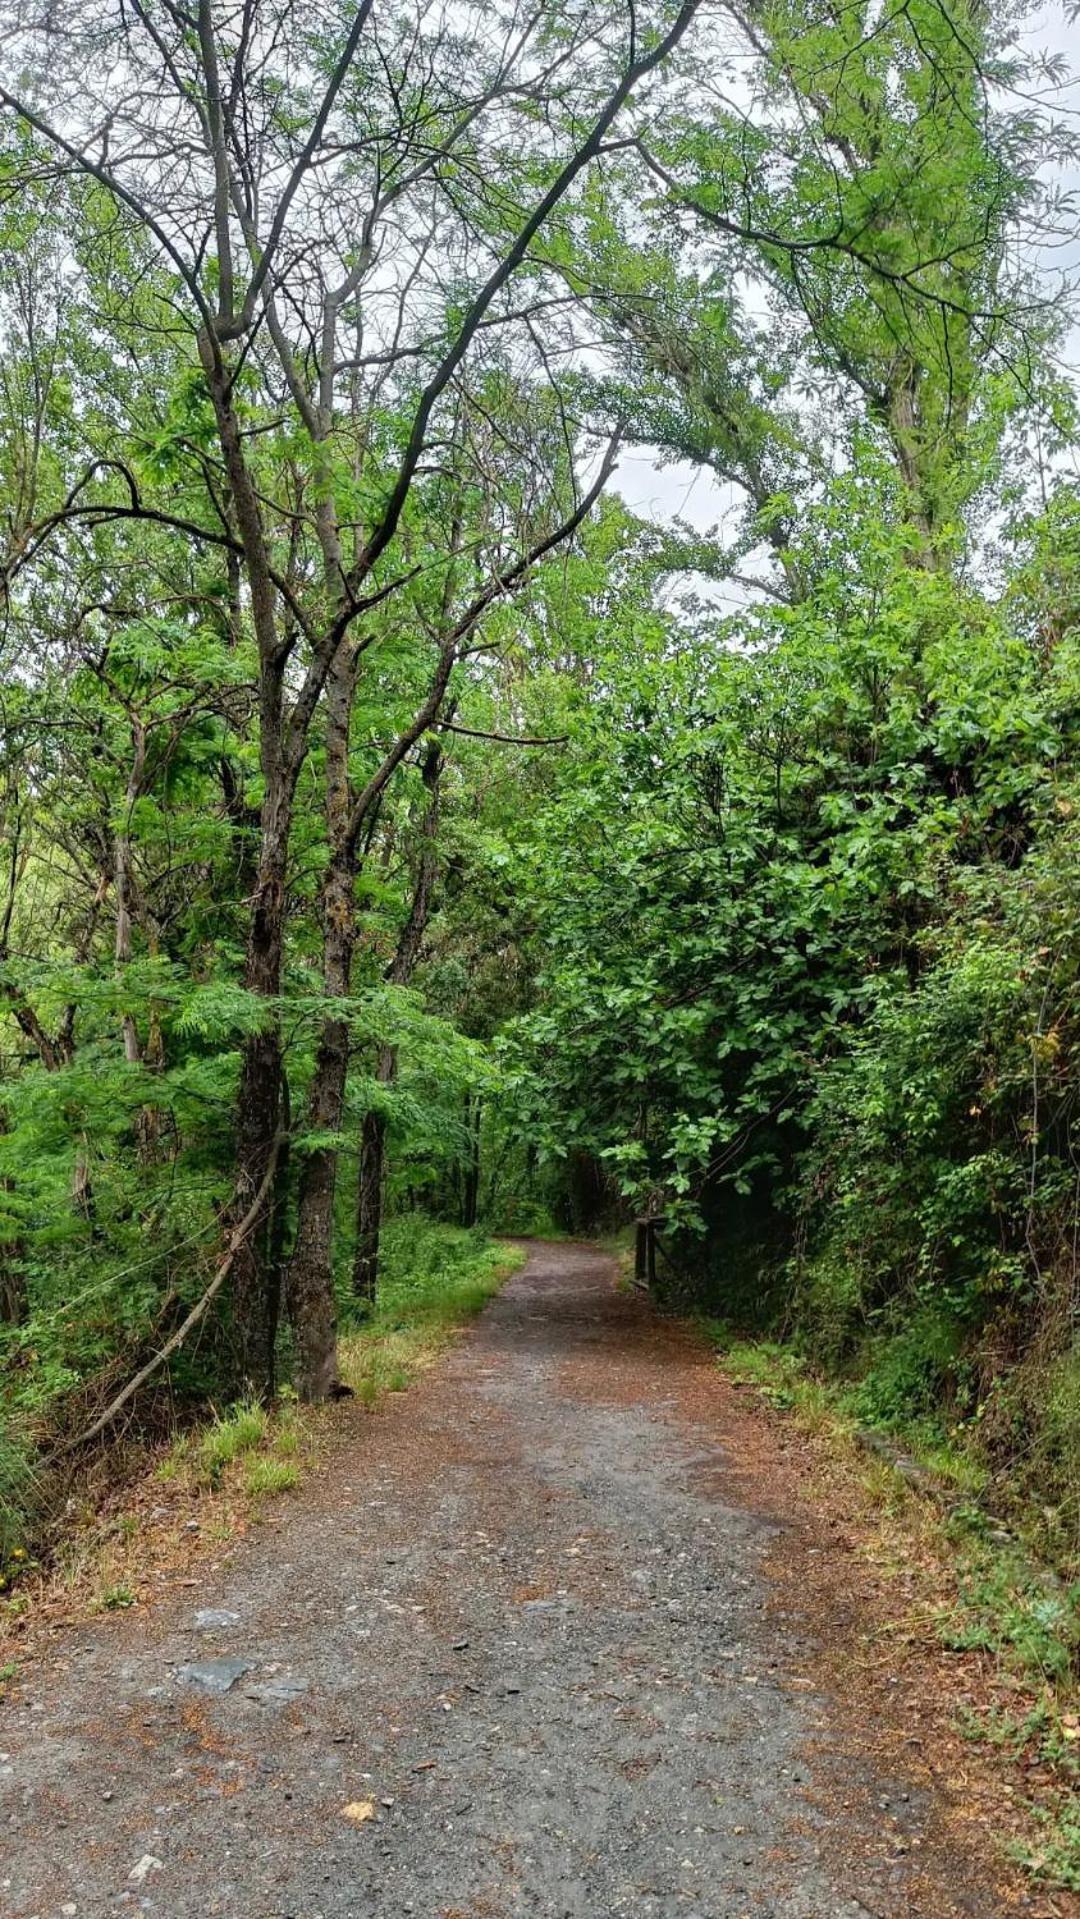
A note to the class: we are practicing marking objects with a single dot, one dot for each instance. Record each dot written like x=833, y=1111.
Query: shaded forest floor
x=572, y=1627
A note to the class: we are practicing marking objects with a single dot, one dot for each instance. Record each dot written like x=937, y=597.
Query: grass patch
x=1008, y=1607
x=784, y=1381
x=248, y=1449
x=1056, y=1856
x=116, y=1599
x=241, y=1430
x=265, y=1476
x=1002, y=1603
x=435, y=1279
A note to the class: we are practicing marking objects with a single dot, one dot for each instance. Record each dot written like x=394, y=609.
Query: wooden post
x=644, y=1258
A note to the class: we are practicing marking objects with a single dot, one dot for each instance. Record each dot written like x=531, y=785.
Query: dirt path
x=525, y=1621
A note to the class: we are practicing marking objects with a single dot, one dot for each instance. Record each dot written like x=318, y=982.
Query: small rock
x=140, y=1873
x=277, y=1692
x=213, y=1618
x=214, y=1675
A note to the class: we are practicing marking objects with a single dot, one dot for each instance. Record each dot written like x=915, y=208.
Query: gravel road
x=512, y=1655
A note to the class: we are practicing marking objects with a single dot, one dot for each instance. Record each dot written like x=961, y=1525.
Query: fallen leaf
x=358, y=1810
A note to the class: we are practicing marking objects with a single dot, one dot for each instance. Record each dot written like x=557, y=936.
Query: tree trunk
x=257, y=1120
x=277, y=1235
x=250, y=1329
x=14, y=1306
x=122, y=887
x=310, y=1291
x=310, y=1285
x=252, y=1318
x=148, y=1123
x=369, y=1199
x=470, y=1186
x=82, y=1186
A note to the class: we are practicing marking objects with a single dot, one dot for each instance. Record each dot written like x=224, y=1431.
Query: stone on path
x=214, y=1675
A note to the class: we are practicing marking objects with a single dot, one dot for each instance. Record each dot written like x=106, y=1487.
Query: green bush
x=18, y=1484
x=432, y=1272
x=911, y=1373
x=1060, y=1440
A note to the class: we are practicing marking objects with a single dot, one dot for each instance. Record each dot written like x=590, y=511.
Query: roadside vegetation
x=978, y=1586
x=436, y=1279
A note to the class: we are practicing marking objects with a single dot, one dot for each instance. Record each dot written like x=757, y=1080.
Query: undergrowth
x=239, y=1447
x=435, y=1279
x=1003, y=1602
x=214, y=1478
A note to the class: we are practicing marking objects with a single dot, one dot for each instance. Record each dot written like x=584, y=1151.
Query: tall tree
x=293, y=178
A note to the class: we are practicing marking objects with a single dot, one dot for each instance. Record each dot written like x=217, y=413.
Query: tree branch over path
x=588, y=151
x=504, y=739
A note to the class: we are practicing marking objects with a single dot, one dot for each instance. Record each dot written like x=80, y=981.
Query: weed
x=115, y=1599
x=177, y=1461
x=265, y=1476
x=1057, y=1859
x=1009, y=1610
x=239, y=1431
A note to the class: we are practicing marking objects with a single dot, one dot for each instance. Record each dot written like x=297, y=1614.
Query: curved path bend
x=512, y=1654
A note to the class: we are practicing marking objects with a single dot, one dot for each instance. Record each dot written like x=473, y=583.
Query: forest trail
x=515, y=1654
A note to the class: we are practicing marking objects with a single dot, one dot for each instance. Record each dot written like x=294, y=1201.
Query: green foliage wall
x=808, y=967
